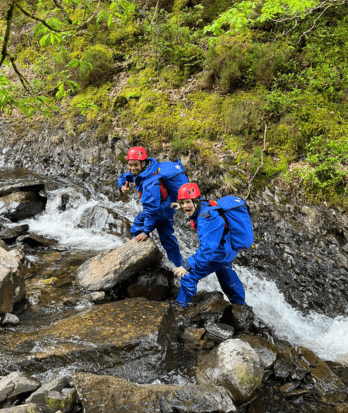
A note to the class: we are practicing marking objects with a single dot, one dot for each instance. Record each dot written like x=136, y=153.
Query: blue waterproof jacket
x=147, y=184
x=213, y=246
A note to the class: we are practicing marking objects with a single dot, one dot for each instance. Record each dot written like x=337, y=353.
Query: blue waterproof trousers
x=166, y=234
x=228, y=279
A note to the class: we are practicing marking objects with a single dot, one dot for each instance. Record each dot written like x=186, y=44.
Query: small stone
x=97, y=296
x=10, y=319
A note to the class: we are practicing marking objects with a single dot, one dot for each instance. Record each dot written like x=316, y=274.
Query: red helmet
x=189, y=191
x=137, y=153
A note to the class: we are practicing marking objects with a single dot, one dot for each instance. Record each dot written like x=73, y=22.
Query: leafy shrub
x=327, y=162
x=99, y=67
x=174, y=44
x=227, y=62
x=236, y=62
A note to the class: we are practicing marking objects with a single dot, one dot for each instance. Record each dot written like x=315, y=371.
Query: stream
x=53, y=296
x=326, y=336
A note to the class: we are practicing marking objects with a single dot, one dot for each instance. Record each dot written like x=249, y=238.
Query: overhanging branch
x=8, y=17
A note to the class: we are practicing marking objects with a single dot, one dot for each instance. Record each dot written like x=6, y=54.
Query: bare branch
x=8, y=17
x=37, y=18
x=25, y=83
x=314, y=23
x=261, y=162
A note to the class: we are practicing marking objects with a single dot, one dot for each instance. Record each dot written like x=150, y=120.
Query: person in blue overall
x=157, y=213
x=214, y=254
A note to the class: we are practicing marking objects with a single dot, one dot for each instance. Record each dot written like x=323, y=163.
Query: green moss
x=55, y=404
x=248, y=380
x=171, y=77
x=122, y=157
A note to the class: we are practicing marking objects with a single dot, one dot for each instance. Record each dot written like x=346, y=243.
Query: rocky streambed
x=121, y=343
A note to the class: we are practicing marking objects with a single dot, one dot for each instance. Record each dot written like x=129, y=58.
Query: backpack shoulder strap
x=221, y=213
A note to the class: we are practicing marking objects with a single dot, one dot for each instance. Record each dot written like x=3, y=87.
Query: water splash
x=63, y=225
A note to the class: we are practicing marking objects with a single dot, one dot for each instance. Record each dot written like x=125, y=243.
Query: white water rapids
x=327, y=337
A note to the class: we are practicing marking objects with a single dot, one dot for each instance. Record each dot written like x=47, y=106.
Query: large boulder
x=21, y=205
x=12, y=287
x=112, y=268
x=105, y=394
x=128, y=338
x=232, y=364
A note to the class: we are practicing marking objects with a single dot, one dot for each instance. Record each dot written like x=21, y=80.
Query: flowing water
x=327, y=337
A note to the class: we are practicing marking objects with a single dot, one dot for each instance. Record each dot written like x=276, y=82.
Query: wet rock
x=12, y=287
x=219, y=332
x=128, y=338
x=267, y=351
x=341, y=408
x=16, y=383
x=105, y=394
x=154, y=285
x=34, y=241
x=3, y=245
x=54, y=395
x=282, y=369
x=205, y=307
x=239, y=316
x=105, y=219
x=10, y=319
x=24, y=408
x=192, y=336
x=112, y=268
x=325, y=381
x=21, y=205
x=288, y=387
x=234, y=365
x=11, y=233
x=18, y=184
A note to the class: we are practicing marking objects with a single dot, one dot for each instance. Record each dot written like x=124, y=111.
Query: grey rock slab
x=128, y=338
x=234, y=365
x=12, y=287
x=16, y=383
x=29, y=184
x=112, y=268
x=105, y=394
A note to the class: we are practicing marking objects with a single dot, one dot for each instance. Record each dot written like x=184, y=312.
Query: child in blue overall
x=157, y=212
x=214, y=254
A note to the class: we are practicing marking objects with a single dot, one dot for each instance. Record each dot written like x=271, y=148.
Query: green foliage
x=327, y=162
x=236, y=62
x=245, y=14
x=171, y=42
x=119, y=9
